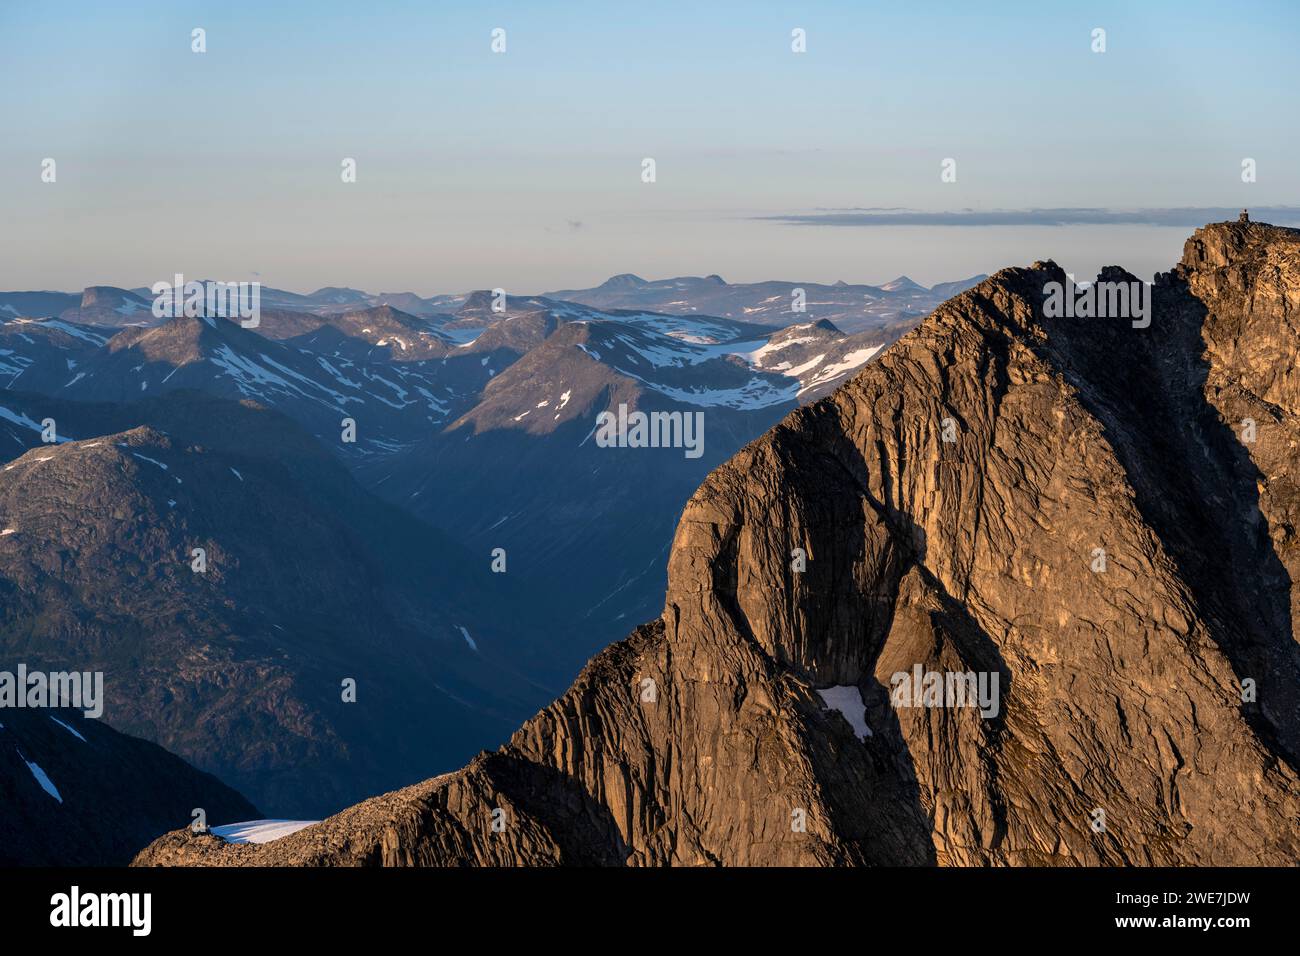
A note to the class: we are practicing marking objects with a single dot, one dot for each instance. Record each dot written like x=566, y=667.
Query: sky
x=523, y=169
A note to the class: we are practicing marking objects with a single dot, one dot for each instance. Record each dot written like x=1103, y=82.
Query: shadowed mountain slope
x=75, y=792
x=308, y=580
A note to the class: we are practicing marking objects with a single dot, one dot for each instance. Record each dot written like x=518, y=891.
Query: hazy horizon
x=522, y=169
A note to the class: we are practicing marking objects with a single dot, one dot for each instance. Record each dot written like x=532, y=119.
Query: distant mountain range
x=852, y=307
x=897, y=305
x=480, y=421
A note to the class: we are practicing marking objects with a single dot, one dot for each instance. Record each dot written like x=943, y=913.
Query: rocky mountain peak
x=386, y=314
x=625, y=280
x=820, y=329
x=177, y=340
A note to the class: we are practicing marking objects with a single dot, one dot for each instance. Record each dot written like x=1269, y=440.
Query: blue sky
x=522, y=169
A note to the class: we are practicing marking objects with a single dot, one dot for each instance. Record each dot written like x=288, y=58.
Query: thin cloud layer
x=1183, y=217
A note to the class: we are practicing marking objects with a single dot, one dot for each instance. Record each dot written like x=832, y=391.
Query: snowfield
x=260, y=831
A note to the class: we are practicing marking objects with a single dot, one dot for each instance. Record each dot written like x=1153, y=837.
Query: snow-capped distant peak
x=903, y=284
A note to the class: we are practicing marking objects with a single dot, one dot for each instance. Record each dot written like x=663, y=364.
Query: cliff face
x=1074, y=507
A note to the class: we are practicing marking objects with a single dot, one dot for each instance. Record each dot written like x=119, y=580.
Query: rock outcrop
x=1098, y=516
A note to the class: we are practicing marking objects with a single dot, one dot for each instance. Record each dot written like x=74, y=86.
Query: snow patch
x=42, y=778
x=468, y=640
x=851, y=361
x=74, y=331
x=70, y=730
x=18, y=418
x=260, y=831
x=152, y=461
x=847, y=699
x=756, y=357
